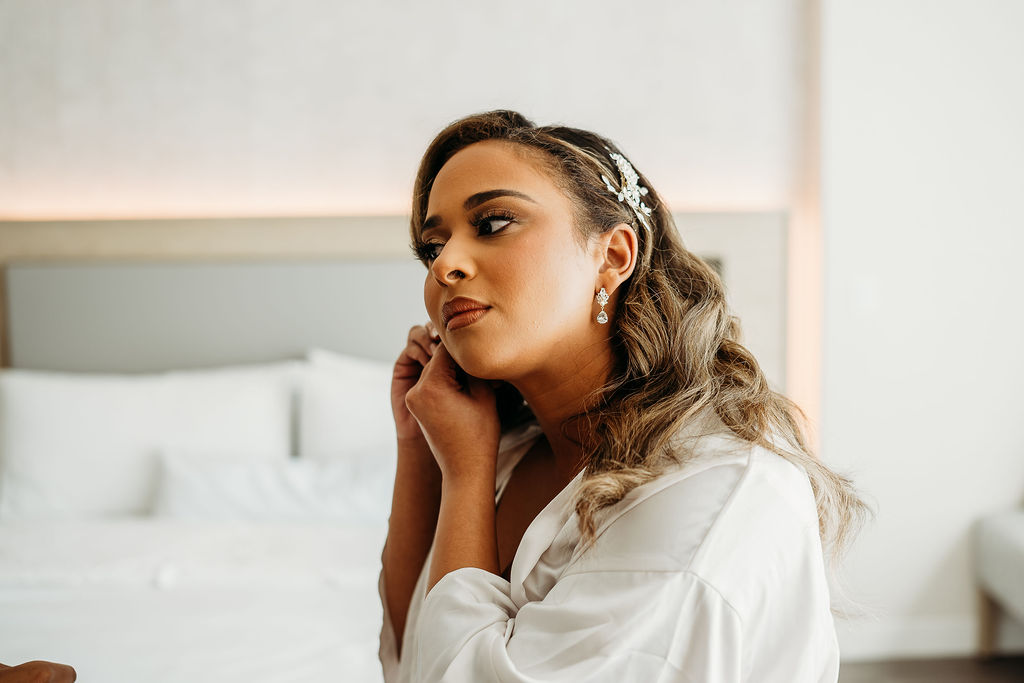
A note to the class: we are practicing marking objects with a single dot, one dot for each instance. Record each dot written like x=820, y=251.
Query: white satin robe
x=712, y=573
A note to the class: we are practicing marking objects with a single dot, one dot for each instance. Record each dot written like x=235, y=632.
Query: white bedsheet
x=155, y=600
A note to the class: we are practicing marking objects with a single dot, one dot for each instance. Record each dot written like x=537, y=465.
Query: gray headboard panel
x=116, y=317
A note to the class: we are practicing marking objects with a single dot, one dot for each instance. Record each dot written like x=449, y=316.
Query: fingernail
x=433, y=347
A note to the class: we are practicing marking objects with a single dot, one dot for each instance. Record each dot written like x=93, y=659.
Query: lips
x=461, y=304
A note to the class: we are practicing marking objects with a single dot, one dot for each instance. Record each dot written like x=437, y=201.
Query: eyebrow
x=474, y=201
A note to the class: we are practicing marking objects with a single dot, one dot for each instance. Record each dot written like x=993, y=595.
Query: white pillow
x=85, y=445
x=225, y=488
x=345, y=407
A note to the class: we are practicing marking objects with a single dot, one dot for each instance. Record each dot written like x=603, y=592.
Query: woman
x=595, y=481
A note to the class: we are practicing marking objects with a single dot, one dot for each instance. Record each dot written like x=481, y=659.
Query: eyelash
x=422, y=249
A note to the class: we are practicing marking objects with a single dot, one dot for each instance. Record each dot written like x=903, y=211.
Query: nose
x=454, y=263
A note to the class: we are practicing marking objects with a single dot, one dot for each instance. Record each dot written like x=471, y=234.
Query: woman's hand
x=419, y=348
x=458, y=416
x=37, y=672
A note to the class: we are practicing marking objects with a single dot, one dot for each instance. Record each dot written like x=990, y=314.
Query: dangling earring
x=602, y=298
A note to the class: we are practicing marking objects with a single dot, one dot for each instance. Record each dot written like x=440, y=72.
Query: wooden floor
x=1000, y=670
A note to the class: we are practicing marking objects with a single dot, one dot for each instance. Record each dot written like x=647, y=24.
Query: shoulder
x=731, y=511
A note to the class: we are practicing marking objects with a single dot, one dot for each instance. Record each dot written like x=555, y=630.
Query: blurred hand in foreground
x=37, y=672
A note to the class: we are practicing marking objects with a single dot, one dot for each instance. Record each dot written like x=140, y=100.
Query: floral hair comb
x=630, y=190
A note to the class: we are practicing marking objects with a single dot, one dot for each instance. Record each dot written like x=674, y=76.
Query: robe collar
x=549, y=544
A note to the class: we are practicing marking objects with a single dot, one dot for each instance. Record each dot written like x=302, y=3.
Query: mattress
x=159, y=600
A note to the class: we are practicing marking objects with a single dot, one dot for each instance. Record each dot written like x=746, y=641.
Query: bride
x=595, y=481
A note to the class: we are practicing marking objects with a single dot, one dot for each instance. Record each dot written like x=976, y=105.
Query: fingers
x=54, y=672
x=38, y=670
x=445, y=369
x=59, y=673
x=440, y=351
x=417, y=351
x=422, y=342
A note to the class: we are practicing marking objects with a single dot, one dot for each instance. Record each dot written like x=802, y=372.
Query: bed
x=196, y=446
x=165, y=527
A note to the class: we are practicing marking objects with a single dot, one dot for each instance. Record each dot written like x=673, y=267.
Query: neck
x=559, y=390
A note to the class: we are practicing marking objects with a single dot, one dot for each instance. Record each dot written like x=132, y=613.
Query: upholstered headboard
x=150, y=295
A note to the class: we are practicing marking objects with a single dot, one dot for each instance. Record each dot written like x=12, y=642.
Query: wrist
x=415, y=453
x=469, y=479
x=416, y=440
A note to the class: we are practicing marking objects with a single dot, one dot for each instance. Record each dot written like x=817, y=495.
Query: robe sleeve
x=602, y=625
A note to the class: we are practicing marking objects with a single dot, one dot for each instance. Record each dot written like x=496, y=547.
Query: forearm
x=466, y=534
x=414, y=511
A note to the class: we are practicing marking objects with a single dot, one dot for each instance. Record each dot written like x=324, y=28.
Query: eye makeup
x=426, y=251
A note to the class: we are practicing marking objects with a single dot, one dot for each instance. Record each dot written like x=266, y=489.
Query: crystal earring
x=602, y=298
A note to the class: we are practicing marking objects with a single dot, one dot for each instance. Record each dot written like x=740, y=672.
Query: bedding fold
x=164, y=553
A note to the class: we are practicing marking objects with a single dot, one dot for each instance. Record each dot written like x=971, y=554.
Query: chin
x=480, y=361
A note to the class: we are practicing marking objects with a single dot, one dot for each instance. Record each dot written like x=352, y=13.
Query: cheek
x=554, y=288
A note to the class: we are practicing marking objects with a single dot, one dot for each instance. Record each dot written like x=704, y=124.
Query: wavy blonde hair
x=676, y=345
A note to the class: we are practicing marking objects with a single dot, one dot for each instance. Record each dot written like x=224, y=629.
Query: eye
x=427, y=251
x=490, y=223
x=492, y=217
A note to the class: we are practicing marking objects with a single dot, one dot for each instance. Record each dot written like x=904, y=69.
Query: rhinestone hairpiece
x=631, y=190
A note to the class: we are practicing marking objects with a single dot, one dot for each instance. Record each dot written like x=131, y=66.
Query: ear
x=617, y=253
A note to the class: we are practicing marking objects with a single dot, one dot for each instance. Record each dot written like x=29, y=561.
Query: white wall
x=121, y=108
x=922, y=178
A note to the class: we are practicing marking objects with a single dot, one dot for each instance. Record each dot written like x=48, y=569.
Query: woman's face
x=500, y=232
